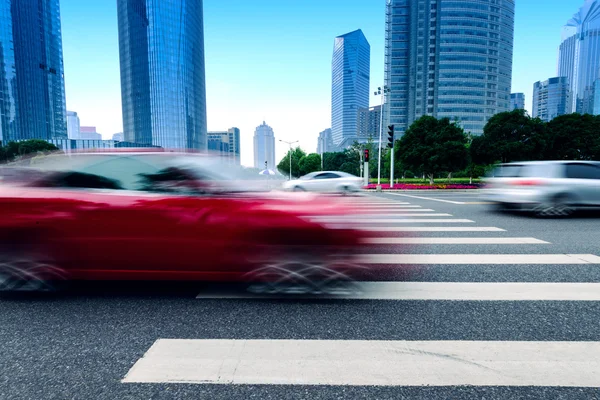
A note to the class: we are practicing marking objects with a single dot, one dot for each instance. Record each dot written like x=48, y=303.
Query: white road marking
x=426, y=228
x=443, y=291
x=427, y=198
x=385, y=207
x=399, y=221
x=492, y=259
x=377, y=219
x=369, y=363
x=453, y=240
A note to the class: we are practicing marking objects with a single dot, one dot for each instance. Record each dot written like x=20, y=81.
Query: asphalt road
x=82, y=343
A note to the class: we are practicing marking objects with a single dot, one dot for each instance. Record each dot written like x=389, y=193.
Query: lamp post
x=290, y=144
x=381, y=92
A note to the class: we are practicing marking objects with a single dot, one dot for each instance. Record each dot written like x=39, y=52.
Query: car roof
x=550, y=162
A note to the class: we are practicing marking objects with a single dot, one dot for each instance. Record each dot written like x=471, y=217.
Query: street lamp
x=290, y=144
x=381, y=92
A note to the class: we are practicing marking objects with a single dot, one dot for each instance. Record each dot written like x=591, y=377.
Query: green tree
x=284, y=164
x=18, y=149
x=434, y=146
x=510, y=136
x=573, y=137
x=310, y=163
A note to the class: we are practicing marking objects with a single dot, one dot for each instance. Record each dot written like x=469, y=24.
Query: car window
x=582, y=171
x=506, y=171
x=172, y=180
x=327, y=175
x=537, y=171
x=73, y=179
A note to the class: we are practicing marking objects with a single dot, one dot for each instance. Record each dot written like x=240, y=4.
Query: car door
x=321, y=182
x=583, y=180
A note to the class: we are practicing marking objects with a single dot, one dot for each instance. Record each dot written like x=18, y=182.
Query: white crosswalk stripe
x=447, y=240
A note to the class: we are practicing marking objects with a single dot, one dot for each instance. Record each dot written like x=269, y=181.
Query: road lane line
x=375, y=219
x=423, y=228
x=427, y=198
x=453, y=240
x=369, y=363
x=395, y=221
x=479, y=259
x=440, y=291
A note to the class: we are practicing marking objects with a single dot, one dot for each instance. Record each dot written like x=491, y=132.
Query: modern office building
x=551, y=98
x=350, y=75
x=118, y=137
x=325, y=142
x=161, y=48
x=73, y=125
x=264, y=147
x=226, y=143
x=517, y=101
x=369, y=123
x=89, y=133
x=448, y=58
x=578, y=58
x=32, y=87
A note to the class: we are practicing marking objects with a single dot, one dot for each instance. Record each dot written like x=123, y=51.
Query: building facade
x=448, y=58
x=73, y=125
x=369, y=123
x=551, y=98
x=226, y=144
x=578, y=56
x=517, y=101
x=89, y=133
x=264, y=147
x=325, y=142
x=350, y=75
x=32, y=87
x=161, y=49
x=118, y=137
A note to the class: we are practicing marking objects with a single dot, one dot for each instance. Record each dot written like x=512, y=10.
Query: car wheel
x=29, y=273
x=559, y=206
x=299, y=189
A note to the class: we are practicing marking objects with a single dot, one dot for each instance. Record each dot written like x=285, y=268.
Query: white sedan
x=325, y=181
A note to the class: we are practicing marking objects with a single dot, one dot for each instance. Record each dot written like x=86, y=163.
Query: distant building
x=73, y=125
x=578, y=58
x=118, y=137
x=264, y=147
x=163, y=88
x=325, y=143
x=68, y=145
x=350, y=72
x=369, y=122
x=551, y=98
x=226, y=143
x=89, y=133
x=32, y=85
x=517, y=101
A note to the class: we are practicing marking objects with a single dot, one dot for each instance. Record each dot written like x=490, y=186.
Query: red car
x=160, y=216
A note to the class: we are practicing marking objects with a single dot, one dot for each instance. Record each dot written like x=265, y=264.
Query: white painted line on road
x=376, y=219
x=453, y=240
x=387, y=207
x=427, y=198
x=387, y=213
x=425, y=228
x=442, y=291
x=395, y=221
x=369, y=363
x=480, y=259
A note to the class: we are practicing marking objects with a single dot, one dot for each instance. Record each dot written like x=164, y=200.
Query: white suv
x=548, y=188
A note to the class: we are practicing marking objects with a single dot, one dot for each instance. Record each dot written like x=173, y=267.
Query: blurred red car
x=159, y=216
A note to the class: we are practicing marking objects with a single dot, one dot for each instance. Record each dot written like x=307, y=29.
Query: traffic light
x=391, y=136
x=366, y=155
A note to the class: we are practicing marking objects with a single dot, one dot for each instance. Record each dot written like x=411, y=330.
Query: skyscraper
x=325, y=142
x=551, y=98
x=517, y=101
x=161, y=48
x=448, y=58
x=32, y=87
x=264, y=147
x=578, y=58
x=350, y=74
x=368, y=125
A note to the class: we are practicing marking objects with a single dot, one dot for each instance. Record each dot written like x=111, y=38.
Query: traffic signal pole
x=391, y=146
x=366, y=168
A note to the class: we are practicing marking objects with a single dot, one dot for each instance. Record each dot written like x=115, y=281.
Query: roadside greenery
x=14, y=150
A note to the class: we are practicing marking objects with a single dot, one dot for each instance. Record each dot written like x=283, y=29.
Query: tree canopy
x=13, y=150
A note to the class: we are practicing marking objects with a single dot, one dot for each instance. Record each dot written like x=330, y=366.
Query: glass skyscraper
x=448, y=58
x=517, y=101
x=551, y=98
x=579, y=56
x=161, y=48
x=350, y=72
x=264, y=147
x=32, y=87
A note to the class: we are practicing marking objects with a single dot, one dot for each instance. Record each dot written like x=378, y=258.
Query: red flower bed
x=412, y=186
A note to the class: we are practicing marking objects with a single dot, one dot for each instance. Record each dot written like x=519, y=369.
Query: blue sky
x=271, y=60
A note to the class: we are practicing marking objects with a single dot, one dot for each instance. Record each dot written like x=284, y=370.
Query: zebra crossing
x=402, y=362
